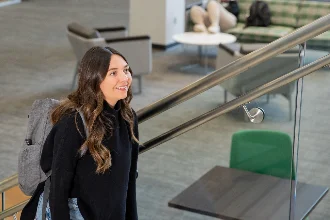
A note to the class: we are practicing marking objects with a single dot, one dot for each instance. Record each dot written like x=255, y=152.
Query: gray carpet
x=36, y=61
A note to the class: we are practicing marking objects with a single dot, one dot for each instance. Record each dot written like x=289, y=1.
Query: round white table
x=204, y=40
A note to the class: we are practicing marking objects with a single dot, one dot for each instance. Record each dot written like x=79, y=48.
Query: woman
x=92, y=178
x=214, y=20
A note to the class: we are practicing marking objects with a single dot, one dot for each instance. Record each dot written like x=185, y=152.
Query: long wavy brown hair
x=89, y=99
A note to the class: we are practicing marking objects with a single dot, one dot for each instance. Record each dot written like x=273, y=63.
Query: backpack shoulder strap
x=85, y=128
x=84, y=122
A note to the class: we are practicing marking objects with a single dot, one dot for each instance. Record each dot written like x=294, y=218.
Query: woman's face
x=117, y=81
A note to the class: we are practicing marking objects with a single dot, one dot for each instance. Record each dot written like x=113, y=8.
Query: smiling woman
x=117, y=81
x=82, y=184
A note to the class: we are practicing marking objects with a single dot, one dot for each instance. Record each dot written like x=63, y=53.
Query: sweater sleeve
x=66, y=142
x=131, y=207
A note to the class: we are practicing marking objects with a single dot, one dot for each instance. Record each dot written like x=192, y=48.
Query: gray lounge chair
x=260, y=74
x=136, y=49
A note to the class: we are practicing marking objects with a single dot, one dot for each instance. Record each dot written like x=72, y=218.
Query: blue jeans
x=73, y=207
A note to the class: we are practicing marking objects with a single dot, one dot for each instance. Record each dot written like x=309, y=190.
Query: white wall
x=160, y=19
x=175, y=19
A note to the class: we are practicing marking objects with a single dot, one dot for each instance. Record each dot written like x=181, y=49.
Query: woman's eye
x=112, y=73
x=127, y=71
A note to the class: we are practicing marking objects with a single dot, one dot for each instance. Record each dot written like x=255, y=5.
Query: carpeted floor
x=36, y=61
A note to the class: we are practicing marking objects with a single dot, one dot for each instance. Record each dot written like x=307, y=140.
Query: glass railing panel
x=312, y=153
x=205, y=174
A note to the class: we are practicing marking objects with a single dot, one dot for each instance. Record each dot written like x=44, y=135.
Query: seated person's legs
x=220, y=18
x=199, y=17
x=216, y=19
x=213, y=9
x=227, y=19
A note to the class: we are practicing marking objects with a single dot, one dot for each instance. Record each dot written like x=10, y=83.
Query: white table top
x=204, y=39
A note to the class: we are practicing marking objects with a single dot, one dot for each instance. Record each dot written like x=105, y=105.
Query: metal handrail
x=240, y=65
x=229, y=106
x=13, y=210
x=299, y=36
x=8, y=183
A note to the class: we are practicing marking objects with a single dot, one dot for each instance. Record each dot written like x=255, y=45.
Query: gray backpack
x=30, y=173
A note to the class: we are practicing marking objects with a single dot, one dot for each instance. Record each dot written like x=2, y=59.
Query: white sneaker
x=214, y=29
x=200, y=28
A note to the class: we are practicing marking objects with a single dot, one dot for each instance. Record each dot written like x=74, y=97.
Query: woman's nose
x=123, y=76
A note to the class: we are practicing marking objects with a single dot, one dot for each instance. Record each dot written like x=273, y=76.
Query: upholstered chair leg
x=140, y=84
x=268, y=97
x=139, y=78
x=225, y=96
x=75, y=75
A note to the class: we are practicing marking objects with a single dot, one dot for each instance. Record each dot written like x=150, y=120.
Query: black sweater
x=108, y=196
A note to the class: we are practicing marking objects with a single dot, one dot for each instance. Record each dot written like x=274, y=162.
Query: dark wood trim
x=127, y=39
x=164, y=47
x=111, y=29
